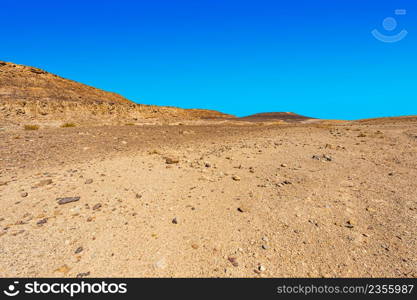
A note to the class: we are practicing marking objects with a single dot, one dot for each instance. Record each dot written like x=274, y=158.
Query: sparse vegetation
x=31, y=127
x=67, y=125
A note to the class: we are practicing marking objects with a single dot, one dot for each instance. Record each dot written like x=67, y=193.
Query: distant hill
x=28, y=93
x=274, y=116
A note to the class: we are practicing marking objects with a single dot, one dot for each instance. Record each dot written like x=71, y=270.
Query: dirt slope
x=31, y=94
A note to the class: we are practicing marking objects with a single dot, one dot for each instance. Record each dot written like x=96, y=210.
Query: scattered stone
x=89, y=181
x=174, y=221
x=81, y=275
x=261, y=268
x=194, y=246
x=207, y=164
x=171, y=160
x=233, y=261
x=265, y=247
x=24, y=194
x=327, y=157
x=236, y=178
x=284, y=165
x=243, y=209
x=324, y=157
x=97, y=206
x=138, y=196
x=79, y=250
x=66, y=200
x=350, y=224
x=43, y=221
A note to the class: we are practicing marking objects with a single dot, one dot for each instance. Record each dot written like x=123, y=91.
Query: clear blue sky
x=316, y=58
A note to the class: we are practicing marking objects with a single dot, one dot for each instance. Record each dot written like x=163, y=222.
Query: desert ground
x=210, y=199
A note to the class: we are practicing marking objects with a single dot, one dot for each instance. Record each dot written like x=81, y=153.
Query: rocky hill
x=276, y=116
x=28, y=94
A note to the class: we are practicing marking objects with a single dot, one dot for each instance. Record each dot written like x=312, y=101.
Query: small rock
x=236, y=178
x=174, y=221
x=24, y=194
x=43, y=221
x=350, y=224
x=89, y=181
x=66, y=200
x=243, y=209
x=261, y=268
x=233, y=261
x=265, y=247
x=171, y=160
x=284, y=165
x=194, y=246
x=327, y=157
x=81, y=275
x=97, y=206
x=79, y=250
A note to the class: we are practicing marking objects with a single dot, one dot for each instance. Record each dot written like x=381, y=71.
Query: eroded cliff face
x=28, y=93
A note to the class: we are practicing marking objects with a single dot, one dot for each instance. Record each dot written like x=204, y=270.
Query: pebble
x=81, y=275
x=236, y=178
x=43, y=221
x=171, y=160
x=174, y=221
x=97, y=206
x=24, y=194
x=233, y=261
x=66, y=200
x=261, y=268
x=243, y=208
x=79, y=250
x=89, y=181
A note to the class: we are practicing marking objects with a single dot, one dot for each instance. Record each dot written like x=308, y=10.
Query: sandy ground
x=242, y=201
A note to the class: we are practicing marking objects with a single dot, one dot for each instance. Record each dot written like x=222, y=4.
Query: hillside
x=274, y=116
x=28, y=93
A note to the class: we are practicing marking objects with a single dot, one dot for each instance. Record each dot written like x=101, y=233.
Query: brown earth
x=209, y=198
x=230, y=201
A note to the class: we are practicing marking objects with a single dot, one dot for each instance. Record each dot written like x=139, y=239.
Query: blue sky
x=316, y=58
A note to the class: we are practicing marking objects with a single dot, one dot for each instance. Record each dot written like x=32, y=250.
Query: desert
x=93, y=185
